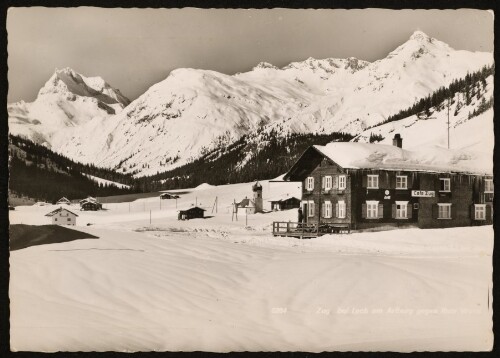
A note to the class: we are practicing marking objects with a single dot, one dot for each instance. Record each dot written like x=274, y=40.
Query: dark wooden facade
x=191, y=213
x=90, y=206
x=421, y=202
x=285, y=204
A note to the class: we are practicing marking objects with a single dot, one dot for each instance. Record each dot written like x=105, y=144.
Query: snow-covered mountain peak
x=69, y=83
x=420, y=36
x=419, y=44
x=265, y=65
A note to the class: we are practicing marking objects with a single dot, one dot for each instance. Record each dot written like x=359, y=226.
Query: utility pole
x=448, y=122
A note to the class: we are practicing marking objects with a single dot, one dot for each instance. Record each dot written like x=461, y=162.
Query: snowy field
x=220, y=285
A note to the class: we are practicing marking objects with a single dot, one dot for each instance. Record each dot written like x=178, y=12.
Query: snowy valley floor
x=216, y=285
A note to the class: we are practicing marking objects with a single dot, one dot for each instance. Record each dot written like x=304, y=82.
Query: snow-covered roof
x=191, y=208
x=388, y=157
x=63, y=199
x=52, y=213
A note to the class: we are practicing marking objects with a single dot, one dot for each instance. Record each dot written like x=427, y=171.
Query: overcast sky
x=135, y=48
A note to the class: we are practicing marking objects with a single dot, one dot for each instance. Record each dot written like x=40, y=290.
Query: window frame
x=405, y=182
x=488, y=180
x=309, y=183
x=327, y=209
x=402, y=204
x=445, y=180
x=310, y=209
x=372, y=176
x=342, y=179
x=476, y=211
x=328, y=183
x=343, y=209
x=441, y=205
x=375, y=210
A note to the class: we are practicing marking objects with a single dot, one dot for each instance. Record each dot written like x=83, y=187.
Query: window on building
x=342, y=182
x=372, y=209
x=372, y=182
x=309, y=183
x=341, y=209
x=488, y=185
x=401, y=182
x=310, y=208
x=55, y=219
x=327, y=209
x=444, y=184
x=444, y=211
x=327, y=182
x=480, y=211
x=69, y=219
x=401, y=209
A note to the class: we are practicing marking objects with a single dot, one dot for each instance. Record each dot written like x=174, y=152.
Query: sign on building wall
x=423, y=193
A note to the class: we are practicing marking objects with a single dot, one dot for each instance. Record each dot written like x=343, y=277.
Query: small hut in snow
x=191, y=213
x=63, y=201
x=285, y=204
x=62, y=216
x=164, y=196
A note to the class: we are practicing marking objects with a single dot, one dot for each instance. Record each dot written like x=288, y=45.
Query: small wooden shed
x=191, y=213
x=90, y=205
x=64, y=201
x=164, y=196
x=285, y=204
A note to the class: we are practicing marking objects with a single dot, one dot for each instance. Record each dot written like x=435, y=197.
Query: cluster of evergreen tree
x=274, y=157
x=484, y=105
x=471, y=86
x=376, y=137
x=38, y=173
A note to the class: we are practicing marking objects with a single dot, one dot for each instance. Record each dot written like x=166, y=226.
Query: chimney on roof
x=397, y=141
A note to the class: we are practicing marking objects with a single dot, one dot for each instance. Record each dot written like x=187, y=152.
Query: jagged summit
x=265, y=65
x=67, y=81
x=420, y=35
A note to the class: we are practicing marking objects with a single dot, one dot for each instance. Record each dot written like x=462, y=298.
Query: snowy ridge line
x=180, y=118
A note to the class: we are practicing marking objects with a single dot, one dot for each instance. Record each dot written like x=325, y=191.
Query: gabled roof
x=283, y=200
x=64, y=199
x=85, y=201
x=191, y=208
x=350, y=155
x=89, y=199
x=52, y=213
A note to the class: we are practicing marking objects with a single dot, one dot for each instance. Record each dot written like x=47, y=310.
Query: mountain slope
x=195, y=112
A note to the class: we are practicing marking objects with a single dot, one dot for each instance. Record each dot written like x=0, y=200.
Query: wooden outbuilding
x=86, y=205
x=191, y=213
x=165, y=196
x=62, y=216
x=63, y=201
x=285, y=204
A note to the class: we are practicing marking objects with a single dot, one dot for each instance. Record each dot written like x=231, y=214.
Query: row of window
x=374, y=210
x=69, y=219
x=339, y=182
x=327, y=209
x=328, y=182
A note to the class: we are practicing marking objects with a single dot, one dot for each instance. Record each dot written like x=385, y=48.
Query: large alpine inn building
x=360, y=185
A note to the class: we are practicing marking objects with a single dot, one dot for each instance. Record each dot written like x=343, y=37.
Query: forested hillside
x=241, y=163
x=37, y=172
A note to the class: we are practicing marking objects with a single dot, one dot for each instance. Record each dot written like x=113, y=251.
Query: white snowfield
x=219, y=285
